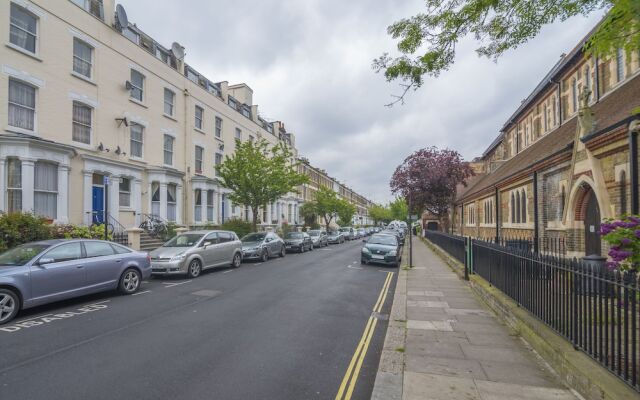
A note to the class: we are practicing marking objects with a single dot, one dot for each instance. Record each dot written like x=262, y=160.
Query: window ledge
x=138, y=102
x=23, y=131
x=23, y=51
x=171, y=117
x=218, y=139
x=168, y=166
x=127, y=208
x=487, y=225
x=83, y=78
x=199, y=130
x=139, y=159
x=84, y=146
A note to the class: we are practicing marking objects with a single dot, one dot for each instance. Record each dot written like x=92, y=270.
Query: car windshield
x=334, y=233
x=294, y=235
x=387, y=240
x=253, y=237
x=186, y=240
x=314, y=233
x=22, y=254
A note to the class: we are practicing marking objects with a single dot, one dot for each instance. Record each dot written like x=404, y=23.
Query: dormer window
x=246, y=111
x=131, y=35
x=232, y=103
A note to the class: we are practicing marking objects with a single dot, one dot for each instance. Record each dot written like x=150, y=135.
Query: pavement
x=444, y=343
x=300, y=327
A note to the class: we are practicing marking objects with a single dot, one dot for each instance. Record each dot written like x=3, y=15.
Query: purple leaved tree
x=428, y=178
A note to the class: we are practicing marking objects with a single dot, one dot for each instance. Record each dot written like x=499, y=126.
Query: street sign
x=414, y=217
x=105, y=180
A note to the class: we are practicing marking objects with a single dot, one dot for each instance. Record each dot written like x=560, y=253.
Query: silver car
x=262, y=246
x=192, y=252
x=42, y=272
x=349, y=233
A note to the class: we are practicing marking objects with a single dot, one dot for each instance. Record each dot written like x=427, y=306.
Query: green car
x=381, y=249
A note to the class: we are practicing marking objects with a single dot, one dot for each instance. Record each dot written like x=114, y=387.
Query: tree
x=257, y=175
x=309, y=214
x=428, y=179
x=427, y=41
x=345, y=212
x=380, y=213
x=399, y=209
x=326, y=205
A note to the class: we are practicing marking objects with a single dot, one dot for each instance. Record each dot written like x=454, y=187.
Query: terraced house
x=98, y=112
x=566, y=159
x=319, y=177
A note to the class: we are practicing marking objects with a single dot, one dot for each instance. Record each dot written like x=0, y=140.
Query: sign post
x=105, y=181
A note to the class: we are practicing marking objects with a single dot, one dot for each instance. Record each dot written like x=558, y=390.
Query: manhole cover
x=207, y=293
x=382, y=317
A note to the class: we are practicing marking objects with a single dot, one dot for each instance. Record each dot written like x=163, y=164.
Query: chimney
x=109, y=10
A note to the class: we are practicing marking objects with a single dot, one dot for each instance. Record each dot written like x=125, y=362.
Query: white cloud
x=309, y=64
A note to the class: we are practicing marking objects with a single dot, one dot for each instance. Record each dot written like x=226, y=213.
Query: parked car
x=335, y=237
x=319, y=238
x=262, y=246
x=42, y=272
x=362, y=233
x=298, y=241
x=382, y=249
x=348, y=232
x=192, y=252
x=397, y=233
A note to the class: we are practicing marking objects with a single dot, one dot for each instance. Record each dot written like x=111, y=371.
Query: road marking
x=48, y=318
x=169, y=284
x=139, y=293
x=353, y=370
x=258, y=264
x=349, y=266
x=227, y=271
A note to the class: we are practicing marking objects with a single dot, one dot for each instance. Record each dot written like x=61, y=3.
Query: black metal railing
x=594, y=308
x=452, y=244
x=546, y=245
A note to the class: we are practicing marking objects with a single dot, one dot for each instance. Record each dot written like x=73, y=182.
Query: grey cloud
x=309, y=64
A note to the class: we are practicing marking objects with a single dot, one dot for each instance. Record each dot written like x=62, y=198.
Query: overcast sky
x=309, y=65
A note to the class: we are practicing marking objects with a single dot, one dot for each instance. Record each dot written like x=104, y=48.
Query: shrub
x=237, y=225
x=17, y=228
x=69, y=231
x=624, y=237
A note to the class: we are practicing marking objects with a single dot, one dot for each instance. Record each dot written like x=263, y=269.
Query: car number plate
x=377, y=256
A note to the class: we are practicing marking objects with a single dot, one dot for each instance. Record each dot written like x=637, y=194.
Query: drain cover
x=207, y=293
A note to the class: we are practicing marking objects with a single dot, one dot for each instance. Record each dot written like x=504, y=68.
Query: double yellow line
x=351, y=376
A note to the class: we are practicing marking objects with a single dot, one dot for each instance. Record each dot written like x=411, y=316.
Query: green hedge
x=240, y=227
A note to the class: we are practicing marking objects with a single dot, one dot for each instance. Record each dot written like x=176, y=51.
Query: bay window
x=197, y=209
x=14, y=185
x=209, y=205
x=171, y=202
x=45, y=188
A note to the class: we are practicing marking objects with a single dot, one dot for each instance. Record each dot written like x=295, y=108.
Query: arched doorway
x=592, y=242
x=432, y=226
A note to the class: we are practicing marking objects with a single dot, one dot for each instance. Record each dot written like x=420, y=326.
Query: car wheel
x=265, y=255
x=9, y=305
x=363, y=261
x=302, y=248
x=283, y=251
x=237, y=260
x=129, y=281
x=194, y=269
x=311, y=247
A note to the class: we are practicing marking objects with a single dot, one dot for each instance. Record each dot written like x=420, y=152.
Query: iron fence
x=452, y=244
x=546, y=245
x=592, y=307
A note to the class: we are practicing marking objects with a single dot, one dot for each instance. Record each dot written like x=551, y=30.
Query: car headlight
x=392, y=253
x=366, y=250
x=178, y=257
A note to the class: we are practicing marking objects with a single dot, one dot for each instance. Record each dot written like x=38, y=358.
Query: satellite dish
x=122, y=22
x=177, y=50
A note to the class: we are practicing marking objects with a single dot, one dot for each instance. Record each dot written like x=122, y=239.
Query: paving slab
x=418, y=386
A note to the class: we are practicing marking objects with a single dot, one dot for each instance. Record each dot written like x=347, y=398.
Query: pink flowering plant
x=623, y=236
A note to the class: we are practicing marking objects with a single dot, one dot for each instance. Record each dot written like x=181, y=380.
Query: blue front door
x=98, y=204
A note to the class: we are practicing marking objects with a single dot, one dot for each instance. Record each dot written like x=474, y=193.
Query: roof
x=614, y=107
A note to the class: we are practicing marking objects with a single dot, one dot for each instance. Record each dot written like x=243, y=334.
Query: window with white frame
x=137, y=85
x=168, y=149
x=45, y=189
x=14, y=185
x=619, y=65
x=218, y=131
x=197, y=205
x=471, y=214
x=210, y=205
x=22, y=105
x=169, y=101
x=198, y=157
x=82, y=58
x=81, y=123
x=137, y=140
x=238, y=134
x=199, y=117
x=23, y=30
x=218, y=160
x=124, y=192
x=155, y=198
x=171, y=202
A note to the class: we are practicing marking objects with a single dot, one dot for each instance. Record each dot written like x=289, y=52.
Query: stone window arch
x=523, y=206
x=518, y=207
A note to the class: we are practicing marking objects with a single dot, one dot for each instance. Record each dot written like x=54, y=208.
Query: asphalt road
x=284, y=329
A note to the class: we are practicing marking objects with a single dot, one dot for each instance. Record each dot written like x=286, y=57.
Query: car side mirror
x=268, y=240
x=206, y=244
x=45, y=260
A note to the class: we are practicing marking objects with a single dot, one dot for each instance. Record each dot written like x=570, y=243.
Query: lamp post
x=410, y=234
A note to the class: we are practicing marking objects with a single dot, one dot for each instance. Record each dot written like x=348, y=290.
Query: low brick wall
x=576, y=369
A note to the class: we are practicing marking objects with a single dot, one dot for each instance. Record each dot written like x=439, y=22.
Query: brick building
x=562, y=162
